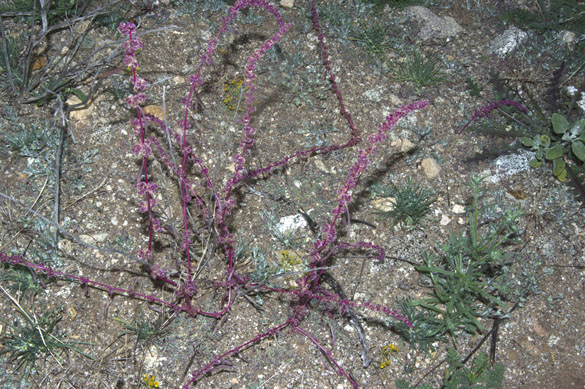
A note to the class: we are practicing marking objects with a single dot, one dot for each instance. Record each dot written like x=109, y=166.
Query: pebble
x=431, y=168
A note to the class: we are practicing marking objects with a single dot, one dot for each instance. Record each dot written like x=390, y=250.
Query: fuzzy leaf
x=526, y=141
x=544, y=140
x=563, y=176
x=578, y=148
x=560, y=123
x=554, y=152
x=578, y=127
x=558, y=167
x=534, y=163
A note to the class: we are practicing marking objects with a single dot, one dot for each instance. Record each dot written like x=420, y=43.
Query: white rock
x=287, y=3
x=445, y=220
x=509, y=41
x=457, y=208
x=406, y=146
x=291, y=223
x=508, y=165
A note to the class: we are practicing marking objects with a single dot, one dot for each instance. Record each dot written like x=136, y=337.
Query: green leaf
x=578, y=127
x=544, y=140
x=79, y=94
x=554, y=152
x=526, y=141
x=534, y=163
x=558, y=166
x=539, y=154
x=563, y=176
x=578, y=148
x=560, y=123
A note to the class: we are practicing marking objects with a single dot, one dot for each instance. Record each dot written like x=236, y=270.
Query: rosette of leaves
x=566, y=141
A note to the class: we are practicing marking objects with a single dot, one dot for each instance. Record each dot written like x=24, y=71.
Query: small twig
x=58, y=180
x=6, y=57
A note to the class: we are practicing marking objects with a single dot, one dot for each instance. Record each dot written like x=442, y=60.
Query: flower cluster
x=232, y=90
x=143, y=148
x=150, y=381
x=388, y=351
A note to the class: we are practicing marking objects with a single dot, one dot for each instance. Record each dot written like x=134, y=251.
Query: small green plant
x=31, y=11
x=373, y=37
x=22, y=280
x=411, y=203
x=262, y=270
x=567, y=140
x=420, y=69
x=473, y=87
x=465, y=275
x=32, y=337
x=481, y=374
x=144, y=328
x=426, y=330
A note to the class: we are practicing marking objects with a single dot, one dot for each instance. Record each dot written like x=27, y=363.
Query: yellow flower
x=150, y=381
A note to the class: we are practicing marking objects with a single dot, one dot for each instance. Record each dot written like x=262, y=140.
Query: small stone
x=406, y=146
x=79, y=114
x=39, y=63
x=384, y=204
x=431, y=168
x=287, y=3
x=93, y=238
x=569, y=37
x=445, y=220
x=151, y=358
x=320, y=165
x=154, y=110
x=457, y=208
x=66, y=246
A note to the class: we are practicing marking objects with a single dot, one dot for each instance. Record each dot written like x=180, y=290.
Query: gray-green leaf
x=534, y=163
x=526, y=141
x=579, y=150
x=554, y=152
x=560, y=123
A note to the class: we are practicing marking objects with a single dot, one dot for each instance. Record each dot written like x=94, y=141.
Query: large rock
x=507, y=42
x=433, y=26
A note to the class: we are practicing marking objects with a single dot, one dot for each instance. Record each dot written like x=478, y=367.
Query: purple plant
x=309, y=286
x=486, y=110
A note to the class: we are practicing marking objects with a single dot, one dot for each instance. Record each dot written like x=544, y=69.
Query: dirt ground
x=541, y=343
